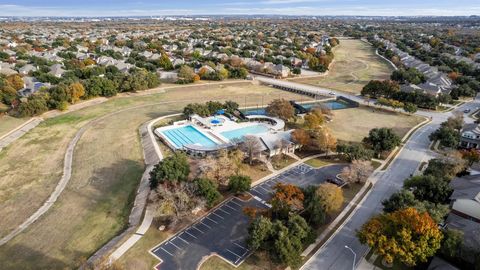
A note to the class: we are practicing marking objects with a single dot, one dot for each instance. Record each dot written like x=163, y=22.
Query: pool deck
x=214, y=131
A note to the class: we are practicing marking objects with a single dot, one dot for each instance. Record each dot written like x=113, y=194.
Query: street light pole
x=354, y=256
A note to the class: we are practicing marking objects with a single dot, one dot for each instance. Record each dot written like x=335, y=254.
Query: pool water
x=187, y=135
x=331, y=104
x=240, y=132
x=255, y=112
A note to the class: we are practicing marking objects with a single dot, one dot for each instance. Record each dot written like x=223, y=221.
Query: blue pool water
x=332, y=105
x=240, y=132
x=187, y=135
x=255, y=112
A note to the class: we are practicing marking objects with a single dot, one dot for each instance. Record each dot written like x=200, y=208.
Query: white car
x=331, y=93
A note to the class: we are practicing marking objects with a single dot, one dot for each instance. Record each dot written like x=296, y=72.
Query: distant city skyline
x=96, y=8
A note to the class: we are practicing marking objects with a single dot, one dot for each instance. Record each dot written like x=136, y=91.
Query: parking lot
x=224, y=230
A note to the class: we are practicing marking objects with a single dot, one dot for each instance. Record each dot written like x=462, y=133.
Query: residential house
x=470, y=136
x=57, y=70
x=26, y=69
x=465, y=214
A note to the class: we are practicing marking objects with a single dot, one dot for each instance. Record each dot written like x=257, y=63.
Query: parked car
x=466, y=111
x=336, y=181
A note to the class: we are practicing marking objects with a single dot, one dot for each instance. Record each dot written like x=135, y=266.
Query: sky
x=237, y=7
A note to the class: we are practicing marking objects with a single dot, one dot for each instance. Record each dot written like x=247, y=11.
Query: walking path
x=18, y=132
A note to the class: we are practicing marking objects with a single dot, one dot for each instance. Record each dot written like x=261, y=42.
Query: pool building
x=199, y=136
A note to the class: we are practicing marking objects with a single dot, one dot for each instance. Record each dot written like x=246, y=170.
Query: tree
x=172, y=170
x=252, y=146
x=314, y=119
x=452, y=243
x=314, y=207
x=357, y=172
x=354, y=151
x=220, y=168
x=186, y=74
x=15, y=81
x=331, y=196
x=99, y=86
x=399, y=200
x=382, y=139
x=258, y=233
x=447, y=136
x=301, y=137
x=208, y=190
x=239, y=183
x=430, y=188
x=165, y=62
x=280, y=108
x=324, y=140
x=410, y=108
x=76, y=92
x=287, y=198
x=405, y=235
x=437, y=211
x=376, y=89
x=471, y=156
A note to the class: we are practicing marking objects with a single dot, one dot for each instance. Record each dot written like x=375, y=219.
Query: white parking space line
x=193, y=227
x=201, y=222
x=190, y=234
x=230, y=207
x=175, y=245
x=233, y=253
x=186, y=242
x=167, y=251
x=242, y=247
x=211, y=220
x=264, y=189
x=232, y=201
x=213, y=213
x=259, y=191
x=220, y=209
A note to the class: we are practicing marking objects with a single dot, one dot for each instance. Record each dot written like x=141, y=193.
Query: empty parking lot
x=224, y=230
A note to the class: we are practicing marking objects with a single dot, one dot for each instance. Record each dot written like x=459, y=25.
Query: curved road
x=333, y=254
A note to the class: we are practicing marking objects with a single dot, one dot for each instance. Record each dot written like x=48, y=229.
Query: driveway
x=224, y=230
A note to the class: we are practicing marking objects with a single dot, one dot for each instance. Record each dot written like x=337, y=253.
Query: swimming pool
x=240, y=132
x=331, y=104
x=187, y=135
x=259, y=111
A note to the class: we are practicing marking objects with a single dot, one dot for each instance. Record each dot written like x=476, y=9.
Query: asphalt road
x=334, y=255
x=224, y=230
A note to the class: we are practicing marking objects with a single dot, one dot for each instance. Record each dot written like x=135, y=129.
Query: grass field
x=355, y=65
x=107, y=166
x=354, y=124
x=7, y=123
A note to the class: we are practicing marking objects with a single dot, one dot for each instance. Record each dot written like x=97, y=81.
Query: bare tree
x=357, y=172
x=252, y=147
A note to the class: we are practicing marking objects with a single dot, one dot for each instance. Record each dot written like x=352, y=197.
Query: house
x=465, y=214
x=27, y=69
x=31, y=85
x=282, y=70
x=278, y=142
x=57, y=70
x=470, y=136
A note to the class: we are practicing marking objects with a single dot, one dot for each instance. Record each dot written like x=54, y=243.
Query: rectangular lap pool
x=240, y=132
x=187, y=135
x=331, y=104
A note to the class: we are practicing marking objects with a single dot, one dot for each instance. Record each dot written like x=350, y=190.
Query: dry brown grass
x=7, y=123
x=354, y=124
x=355, y=65
x=106, y=169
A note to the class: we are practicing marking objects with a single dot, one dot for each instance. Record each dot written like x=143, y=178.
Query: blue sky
x=196, y=7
